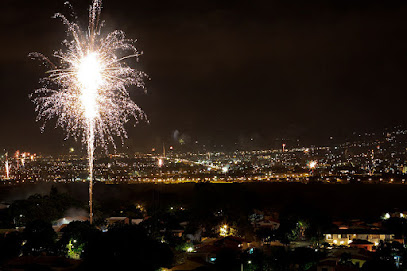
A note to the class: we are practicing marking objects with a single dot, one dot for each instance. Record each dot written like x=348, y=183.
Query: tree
x=226, y=260
x=10, y=246
x=304, y=257
x=40, y=237
x=41, y=207
x=378, y=265
x=266, y=234
x=126, y=246
x=76, y=237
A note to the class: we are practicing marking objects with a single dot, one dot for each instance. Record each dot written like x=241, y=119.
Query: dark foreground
x=333, y=200
x=204, y=226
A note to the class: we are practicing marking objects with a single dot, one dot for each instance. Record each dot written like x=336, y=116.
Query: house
x=197, y=236
x=331, y=264
x=268, y=223
x=63, y=222
x=358, y=224
x=68, y=219
x=363, y=244
x=261, y=219
x=4, y=205
x=233, y=242
x=395, y=214
x=357, y=258
x=136, y=221
x=192, y=263
x=208, y=250
x=345, y=237
x=175, y=230
x=117, y=219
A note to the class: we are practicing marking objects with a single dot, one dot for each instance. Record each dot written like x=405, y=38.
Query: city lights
x=223, y=231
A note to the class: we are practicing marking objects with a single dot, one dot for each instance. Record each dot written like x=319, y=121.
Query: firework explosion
x=85, y=90
x=312, y=164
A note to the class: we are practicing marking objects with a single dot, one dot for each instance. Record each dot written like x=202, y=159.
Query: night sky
x=225, y=72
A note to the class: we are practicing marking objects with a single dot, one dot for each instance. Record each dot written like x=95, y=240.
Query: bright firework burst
x=86, y=88
x=312, y=164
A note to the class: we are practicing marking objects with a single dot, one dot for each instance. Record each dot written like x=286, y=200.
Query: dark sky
x=226, y=71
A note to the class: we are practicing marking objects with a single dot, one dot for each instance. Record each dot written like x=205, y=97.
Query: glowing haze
x=85, y=89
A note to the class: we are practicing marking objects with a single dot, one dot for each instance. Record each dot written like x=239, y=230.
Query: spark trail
x=86, y=87
x=7, y=167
